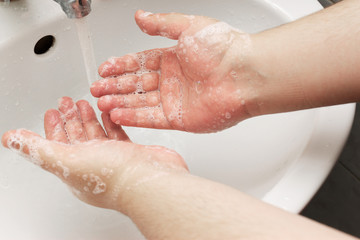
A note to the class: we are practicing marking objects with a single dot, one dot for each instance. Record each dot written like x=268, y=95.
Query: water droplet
x=227, y=115
x=68, y=28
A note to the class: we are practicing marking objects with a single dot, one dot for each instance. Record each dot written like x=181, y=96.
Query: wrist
x=243, y=71
x=271, y=83
x=151, y=165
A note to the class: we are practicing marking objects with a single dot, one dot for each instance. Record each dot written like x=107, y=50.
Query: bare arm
x=189, y=207
x=217, y=76
x=312, y=62
x=150, y=184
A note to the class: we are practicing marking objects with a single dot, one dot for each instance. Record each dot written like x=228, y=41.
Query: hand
x=149, y=184
x=197, y=86
x=98, y=166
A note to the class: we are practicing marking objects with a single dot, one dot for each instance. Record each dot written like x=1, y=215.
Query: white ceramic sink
x=282, y=158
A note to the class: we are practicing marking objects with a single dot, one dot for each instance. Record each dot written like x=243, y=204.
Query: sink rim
x=282, y=194
x=316, y=164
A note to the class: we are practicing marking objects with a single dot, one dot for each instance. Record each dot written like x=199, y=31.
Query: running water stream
x=87, y=49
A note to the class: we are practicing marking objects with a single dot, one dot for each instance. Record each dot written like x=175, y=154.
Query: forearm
x=182, y=206
x=312, y=62
x=152, y=186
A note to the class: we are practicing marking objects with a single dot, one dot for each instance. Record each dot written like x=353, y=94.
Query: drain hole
x=44, y=44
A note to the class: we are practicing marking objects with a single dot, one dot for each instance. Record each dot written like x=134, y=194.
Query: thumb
x=30, y=145
x=169, y=25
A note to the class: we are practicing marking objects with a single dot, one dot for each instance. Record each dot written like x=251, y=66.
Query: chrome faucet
x=75, y=8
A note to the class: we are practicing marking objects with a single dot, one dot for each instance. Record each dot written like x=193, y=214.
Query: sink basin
x=281, y=158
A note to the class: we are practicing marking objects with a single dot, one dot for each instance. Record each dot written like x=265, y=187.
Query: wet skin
x=194, y=86
x=97, y=164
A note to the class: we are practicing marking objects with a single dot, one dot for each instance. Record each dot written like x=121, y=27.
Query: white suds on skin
x=145, y=14
x=17, y=143
x=100, y=185
x=66, y=171
x=214, y=29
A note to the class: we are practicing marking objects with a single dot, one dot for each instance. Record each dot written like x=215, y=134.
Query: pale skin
x=195, y=90
x=215, y=82
x=152, y=185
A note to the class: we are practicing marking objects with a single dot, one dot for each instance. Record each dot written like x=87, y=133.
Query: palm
x=189, y=87
x=89, y=159
x=192, y=97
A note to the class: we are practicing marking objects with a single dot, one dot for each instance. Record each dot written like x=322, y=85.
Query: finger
x=47, y=154
x=73, y=126
x=26, y=143
x=54, y=127
x=114, y=85
x=125, y=84
x=119, y=65
x=142, y=117
x=90, y=123
x=110, y=102
x=131, y=63
x=113, y=131
x=169, y=25
x=149, y=81
x=152, y=59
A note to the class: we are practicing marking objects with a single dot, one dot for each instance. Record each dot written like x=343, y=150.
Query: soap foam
x=211, y=32
x=66, y=171
x=17, y=143
x=100, y=185
x=176, y=113
x=106, y=172
x=227, y=115
x=145, y=14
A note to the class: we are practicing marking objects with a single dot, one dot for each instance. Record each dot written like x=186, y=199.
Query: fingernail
x=145, y=14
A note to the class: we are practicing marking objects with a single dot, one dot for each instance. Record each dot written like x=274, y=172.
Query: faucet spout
x=75, y=8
